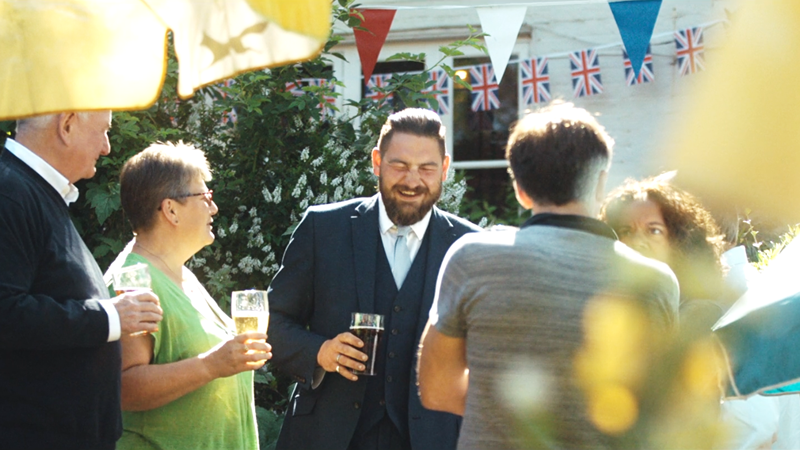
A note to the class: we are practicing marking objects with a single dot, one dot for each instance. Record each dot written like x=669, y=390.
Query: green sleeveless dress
x=219, y=415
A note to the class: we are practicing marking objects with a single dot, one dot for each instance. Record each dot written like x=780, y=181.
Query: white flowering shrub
x=284, y=154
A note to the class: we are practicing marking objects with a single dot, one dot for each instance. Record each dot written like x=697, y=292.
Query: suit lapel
x=365, y=238
x=442, y=235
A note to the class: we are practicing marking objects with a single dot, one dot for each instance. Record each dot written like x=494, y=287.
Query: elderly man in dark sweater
x=59, y=350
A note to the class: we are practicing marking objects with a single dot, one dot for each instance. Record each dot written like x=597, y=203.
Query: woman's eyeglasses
x=209, y=195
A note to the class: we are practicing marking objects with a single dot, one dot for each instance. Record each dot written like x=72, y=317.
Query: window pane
x=483, y=135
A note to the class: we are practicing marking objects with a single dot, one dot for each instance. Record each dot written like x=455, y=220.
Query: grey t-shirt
x=518, y=299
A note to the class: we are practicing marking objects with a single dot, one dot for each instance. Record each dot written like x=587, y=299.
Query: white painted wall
x=637, y=117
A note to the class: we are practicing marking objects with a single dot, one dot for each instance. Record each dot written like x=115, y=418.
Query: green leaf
x=105, y=201
x=463, y=83
x=269, y=427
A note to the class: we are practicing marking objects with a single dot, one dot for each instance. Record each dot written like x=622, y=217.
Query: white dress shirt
x=389, y=233
x=69, y=193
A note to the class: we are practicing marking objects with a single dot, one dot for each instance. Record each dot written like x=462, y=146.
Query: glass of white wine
x=250, y=311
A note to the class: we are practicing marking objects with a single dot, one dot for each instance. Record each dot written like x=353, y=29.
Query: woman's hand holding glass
x=247, y=351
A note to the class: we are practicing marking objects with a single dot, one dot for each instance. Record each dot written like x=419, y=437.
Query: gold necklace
x=162, y=261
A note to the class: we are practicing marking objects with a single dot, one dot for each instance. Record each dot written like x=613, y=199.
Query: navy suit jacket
x=328, y=272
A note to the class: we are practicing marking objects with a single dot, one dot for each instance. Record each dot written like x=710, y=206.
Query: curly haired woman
x=668, y=224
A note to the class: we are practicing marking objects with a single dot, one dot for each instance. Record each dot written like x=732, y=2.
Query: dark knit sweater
x=59, y=378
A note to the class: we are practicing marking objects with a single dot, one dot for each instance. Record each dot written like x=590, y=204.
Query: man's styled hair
x=416, y=121
x=556, y=154
x=162, y=170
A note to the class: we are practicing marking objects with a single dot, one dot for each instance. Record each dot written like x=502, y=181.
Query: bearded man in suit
x=344, y=258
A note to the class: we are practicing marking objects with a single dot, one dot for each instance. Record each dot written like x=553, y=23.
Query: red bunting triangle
x=369, y=44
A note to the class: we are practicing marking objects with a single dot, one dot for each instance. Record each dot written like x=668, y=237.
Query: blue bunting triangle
x=636, y=20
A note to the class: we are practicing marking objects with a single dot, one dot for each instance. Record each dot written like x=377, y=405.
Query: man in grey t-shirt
x=521, y=296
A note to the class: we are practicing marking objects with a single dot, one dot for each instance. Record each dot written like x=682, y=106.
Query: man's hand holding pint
x=138, y=311
x=340, y=355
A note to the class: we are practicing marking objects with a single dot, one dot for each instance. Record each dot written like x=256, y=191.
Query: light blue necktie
x=402, y=256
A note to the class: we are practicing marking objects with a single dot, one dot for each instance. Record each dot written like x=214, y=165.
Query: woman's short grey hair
x=162, y=170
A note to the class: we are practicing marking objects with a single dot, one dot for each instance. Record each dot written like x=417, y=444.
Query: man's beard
x=401, y=213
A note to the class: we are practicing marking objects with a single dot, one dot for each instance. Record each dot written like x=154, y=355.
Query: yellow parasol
x=739, y=142
x=60, y=55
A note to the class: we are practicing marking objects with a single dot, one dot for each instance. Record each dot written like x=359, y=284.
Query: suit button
x=356, y=405
x=389, y=379
x=382, y=402
x=395, y=331
x=392, y=354
x=397, y=309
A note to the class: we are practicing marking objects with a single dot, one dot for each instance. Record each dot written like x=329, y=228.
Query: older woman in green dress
x=190, y=384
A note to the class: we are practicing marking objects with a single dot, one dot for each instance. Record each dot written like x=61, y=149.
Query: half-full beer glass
x=130, y=279
x=368, y=328
x=250, y=311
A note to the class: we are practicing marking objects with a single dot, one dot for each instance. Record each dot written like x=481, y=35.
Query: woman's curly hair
x=694, y=236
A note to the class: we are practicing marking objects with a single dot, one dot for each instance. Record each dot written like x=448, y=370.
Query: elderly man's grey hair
x=40, y=122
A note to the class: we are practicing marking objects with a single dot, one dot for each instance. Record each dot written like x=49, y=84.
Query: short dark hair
x=416, y=121
x=694, y=236
x=160, y=171
x=555, y=153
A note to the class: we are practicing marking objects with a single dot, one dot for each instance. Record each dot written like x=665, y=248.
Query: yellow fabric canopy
x=60, y=55
x=739, y=141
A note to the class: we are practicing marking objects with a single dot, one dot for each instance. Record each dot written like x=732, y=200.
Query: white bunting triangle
x=502, y=24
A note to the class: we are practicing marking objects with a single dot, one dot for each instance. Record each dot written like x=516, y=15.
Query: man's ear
x=445, y=167
x=376, y=161
x=600, y=192
x=523, y=198
x=66, y=125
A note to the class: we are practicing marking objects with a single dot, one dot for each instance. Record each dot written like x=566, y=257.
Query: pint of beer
x=131, y=278
x=368, y=328
x=250, y=311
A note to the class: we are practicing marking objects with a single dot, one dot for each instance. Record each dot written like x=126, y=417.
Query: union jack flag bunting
x=378, y=81
x=645, y=73
x=327, y=100
x=689, y=48
x=440, y=90
x=585, y=67
x=484, y=88
x=535, y=78
x=296, y=89
x=228, y=115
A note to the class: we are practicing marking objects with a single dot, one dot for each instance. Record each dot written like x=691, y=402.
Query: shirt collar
x=386, y=224
x=60, y=183
x=575, y=222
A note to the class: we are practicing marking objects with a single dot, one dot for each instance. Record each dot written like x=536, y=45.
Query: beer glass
x=368, y=328
x=130, y=279
x=250, y=311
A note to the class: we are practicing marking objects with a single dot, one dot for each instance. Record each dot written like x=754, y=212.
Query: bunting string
x=488, y=5
x=664, y=35
x=566, y=55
